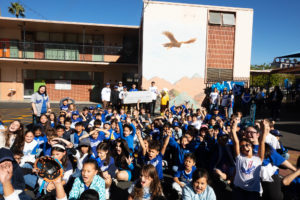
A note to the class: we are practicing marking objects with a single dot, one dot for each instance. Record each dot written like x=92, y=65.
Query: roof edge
x=67, y=23
x=199, y=5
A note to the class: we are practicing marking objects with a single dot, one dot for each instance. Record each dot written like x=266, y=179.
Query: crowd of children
x=207, y=154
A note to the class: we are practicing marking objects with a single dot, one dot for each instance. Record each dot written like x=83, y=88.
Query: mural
x=174, y=50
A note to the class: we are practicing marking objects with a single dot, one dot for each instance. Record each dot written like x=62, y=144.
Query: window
x=223, y=19
x=215, y=18
x=228, y=19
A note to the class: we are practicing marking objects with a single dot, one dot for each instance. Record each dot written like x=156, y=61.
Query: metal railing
x=57, y=51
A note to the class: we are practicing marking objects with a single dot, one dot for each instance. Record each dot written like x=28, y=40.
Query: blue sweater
x=129, y=138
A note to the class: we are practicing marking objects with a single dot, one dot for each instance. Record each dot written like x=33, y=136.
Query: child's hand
x=265, y=126
x=6, y=171
x=138, y=132
x=129, y=160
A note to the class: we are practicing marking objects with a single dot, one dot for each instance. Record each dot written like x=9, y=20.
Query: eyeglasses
x=245, y=145
x=252, y=132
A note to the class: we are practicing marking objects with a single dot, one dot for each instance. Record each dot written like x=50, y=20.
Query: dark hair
x=247, y=140
x=19, y=135
x=64, y=160
x=104, y=146
x=55, y=119
x=200, y=173
x=89, y=194
x=85, y=108
x=18, y=152
x=60, y=127
x=97, y=122
x=154, y=144
x=92, y=162
x=120, y=160
x=127, y=126
x=190, y=155
x=36, y=128
x=68, y=119
x=216, y=127
x=45, y=89
x=79, y=124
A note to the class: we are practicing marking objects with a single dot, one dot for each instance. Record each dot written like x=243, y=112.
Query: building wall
x=12, y=77
x=183, y=69
x=243, y=42
x=12, y=34
x=179, y=69
x=80, y=91
x=220, y=46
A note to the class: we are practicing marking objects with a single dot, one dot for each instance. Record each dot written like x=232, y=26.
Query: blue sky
x=276, y=28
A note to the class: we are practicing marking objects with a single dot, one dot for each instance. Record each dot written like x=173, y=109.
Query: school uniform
x=184, y=177
x=247, y=178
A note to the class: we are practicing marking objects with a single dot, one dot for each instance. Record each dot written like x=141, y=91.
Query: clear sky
x=276, y=26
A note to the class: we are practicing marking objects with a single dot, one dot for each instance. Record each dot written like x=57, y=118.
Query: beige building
x=73, y=59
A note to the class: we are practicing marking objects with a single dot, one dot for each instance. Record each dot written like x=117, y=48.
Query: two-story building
x=72, y=59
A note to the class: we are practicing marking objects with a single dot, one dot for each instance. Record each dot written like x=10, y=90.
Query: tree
x=16, y=9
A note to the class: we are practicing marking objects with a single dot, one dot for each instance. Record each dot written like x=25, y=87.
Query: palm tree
x=16, y=9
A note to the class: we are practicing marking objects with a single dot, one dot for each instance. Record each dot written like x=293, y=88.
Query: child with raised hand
x=127, y=132
x=147, y=186
x=248, y=166
x=198, y=189
x=123, y=160
x=155, y=153
x=184, y=176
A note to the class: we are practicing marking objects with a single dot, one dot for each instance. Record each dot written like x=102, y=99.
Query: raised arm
x=139, y=136
x=265, y=131
x=235, y=137
x=166, y=142
x=133, y=129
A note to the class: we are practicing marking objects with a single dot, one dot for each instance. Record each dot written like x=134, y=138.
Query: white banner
x=63, y=85
x=134, y=97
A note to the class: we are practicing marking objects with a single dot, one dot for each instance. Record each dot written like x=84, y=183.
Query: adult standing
x=214, y=99
x=114, y=98
x=154, y=91
x=40, y=104
x=105, y=95
x=120, y=86
x=276, y=98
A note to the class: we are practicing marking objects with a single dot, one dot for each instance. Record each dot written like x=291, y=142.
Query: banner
x=134, y=97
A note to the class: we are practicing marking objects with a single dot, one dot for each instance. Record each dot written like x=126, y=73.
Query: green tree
x=16, y=9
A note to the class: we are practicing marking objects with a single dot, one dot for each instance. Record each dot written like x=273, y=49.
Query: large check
x=134, y=97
